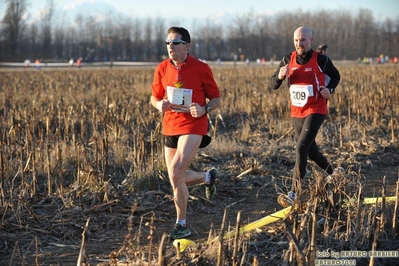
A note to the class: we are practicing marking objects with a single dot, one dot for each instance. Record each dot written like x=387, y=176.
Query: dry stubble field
x=83, y=178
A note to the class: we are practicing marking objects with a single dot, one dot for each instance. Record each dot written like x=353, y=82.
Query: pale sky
x=203, y=9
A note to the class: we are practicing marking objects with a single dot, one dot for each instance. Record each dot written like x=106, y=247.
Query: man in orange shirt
x=184, y=90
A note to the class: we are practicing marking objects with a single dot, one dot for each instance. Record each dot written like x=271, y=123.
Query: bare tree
x=341, y=42
x=46, y=28
x=147, y=43
x=33, y=29
x=137, y=41
x=206, y=40
x=218, y=43
x=250, y=35
x=126, y=44
x=59, y=36
x=282, y=34
x=13, y=27
x=71, y=43
x=239, y=35
x=160, y=33
x=363, y=31
x=389, y=38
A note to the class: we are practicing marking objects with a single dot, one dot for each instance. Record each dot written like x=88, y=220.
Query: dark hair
x=322, y=47
x=185, y=36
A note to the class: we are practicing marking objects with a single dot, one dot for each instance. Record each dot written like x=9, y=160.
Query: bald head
x=304, y=31
x=303, y=40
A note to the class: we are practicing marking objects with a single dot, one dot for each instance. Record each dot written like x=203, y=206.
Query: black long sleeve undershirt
x=323, y=61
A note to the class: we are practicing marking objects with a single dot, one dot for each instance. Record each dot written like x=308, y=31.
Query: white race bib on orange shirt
x=180, y=98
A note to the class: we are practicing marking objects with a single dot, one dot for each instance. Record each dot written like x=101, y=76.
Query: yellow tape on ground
x=274, y=217
x=374, y=200
x=258, y=223
x=266, y=220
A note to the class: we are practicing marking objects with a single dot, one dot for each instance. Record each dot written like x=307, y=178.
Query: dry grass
x=88, y=141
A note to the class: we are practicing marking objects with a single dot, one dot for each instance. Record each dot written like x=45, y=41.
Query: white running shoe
x=286, y=200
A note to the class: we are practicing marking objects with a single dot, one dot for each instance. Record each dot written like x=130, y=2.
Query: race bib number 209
x=300, y=94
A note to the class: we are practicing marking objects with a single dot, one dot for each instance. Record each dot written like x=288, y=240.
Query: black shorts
x=171, y=141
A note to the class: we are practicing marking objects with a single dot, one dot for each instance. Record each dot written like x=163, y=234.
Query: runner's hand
x=325, y=92
x=197, y=110
x=163, y=105
x=284, y=72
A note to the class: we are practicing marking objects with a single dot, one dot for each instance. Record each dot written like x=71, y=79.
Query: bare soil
x=49, y=232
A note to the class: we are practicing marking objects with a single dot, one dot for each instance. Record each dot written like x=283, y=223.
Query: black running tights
x=306, y=130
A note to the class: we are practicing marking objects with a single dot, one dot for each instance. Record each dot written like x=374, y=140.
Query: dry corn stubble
x=86, y=143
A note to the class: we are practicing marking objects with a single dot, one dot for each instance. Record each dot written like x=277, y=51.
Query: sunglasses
x=174, y=42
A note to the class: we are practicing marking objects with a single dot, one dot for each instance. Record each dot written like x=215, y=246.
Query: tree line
x=249, y=36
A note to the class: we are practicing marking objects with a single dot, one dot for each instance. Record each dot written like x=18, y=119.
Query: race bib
x=180, y=98
x=300, y=94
